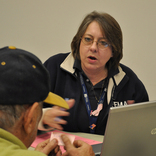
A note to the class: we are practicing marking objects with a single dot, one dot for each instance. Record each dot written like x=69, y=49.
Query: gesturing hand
x=51, y=116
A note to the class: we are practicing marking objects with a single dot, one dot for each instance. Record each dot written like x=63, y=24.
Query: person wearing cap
x=24, y=86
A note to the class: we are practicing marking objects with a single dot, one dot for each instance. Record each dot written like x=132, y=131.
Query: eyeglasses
x=88, y=40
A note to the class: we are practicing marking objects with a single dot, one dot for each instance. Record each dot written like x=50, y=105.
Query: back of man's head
x=23, y=81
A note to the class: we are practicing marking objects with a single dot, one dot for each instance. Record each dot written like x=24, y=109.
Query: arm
x=134, y=86
x=51, y=116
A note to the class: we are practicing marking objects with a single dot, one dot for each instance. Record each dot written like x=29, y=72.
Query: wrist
x=42, y=125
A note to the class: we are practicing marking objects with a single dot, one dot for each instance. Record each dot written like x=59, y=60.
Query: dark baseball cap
x=24, y=79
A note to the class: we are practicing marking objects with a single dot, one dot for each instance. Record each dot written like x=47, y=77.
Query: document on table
x=57, y=133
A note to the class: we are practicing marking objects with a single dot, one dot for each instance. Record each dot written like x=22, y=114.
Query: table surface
x=88, y=136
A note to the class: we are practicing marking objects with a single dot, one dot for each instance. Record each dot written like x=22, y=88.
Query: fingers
x=57, y=111
x=130, y=101
x=55, y=152
x=50, y=146
x=65, y=154
x=60, y=121
x=77, y=148
x=78, y=143
x=57, y=149
x=51, y=117
x=71, y=103
x=67, y=142
x=59, y=153
x=84, y=148
x=55, y=125
x=41, y=145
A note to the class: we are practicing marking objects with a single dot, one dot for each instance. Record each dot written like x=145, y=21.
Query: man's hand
x=78, y=148
x=49, y=148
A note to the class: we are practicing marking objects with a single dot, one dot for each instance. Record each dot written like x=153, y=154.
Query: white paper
x=58, y=137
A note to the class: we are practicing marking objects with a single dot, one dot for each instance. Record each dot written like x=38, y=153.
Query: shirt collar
x=77, y=64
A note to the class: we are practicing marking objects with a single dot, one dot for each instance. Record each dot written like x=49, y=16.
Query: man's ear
x=30, y=118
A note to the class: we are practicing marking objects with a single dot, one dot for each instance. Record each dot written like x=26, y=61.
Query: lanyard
x=92, y=119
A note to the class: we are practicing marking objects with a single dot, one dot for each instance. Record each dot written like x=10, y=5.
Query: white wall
x=46, y=27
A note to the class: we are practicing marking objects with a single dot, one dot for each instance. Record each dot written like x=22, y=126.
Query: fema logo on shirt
x=119, y=103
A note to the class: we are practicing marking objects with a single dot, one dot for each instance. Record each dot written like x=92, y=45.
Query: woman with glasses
x=93, y=76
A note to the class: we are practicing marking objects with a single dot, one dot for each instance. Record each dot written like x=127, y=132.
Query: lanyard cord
x=92, y=119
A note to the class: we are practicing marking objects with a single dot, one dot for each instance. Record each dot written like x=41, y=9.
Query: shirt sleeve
x=41, y=125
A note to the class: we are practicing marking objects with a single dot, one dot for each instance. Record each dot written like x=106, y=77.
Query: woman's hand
x=52, y=117
x=130, y=102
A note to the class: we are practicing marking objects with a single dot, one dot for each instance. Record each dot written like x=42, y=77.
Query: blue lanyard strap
x=92, y=119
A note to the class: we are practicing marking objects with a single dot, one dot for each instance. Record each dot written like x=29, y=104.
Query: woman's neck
x=97, y=75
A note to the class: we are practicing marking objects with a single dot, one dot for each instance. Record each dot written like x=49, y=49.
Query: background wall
x=46, y=27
